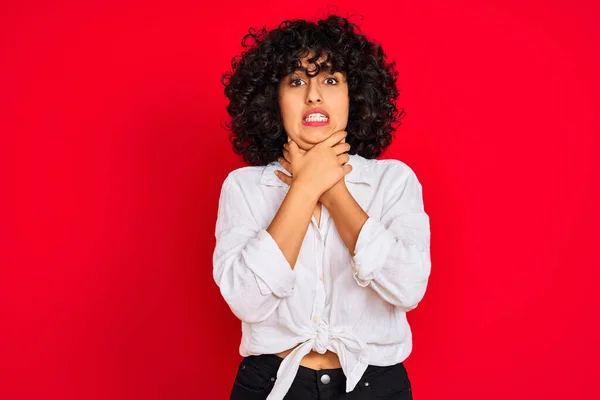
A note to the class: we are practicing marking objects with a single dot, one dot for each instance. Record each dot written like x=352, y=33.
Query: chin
x=317, y=137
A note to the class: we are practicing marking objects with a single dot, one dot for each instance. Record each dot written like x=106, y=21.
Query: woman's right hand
x=321, y=167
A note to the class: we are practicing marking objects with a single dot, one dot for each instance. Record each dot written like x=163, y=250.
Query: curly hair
x=256, y=125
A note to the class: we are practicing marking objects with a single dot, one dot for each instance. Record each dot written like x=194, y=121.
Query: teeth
x=316, y=118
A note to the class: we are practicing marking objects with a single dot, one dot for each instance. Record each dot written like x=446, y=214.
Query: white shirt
x=353, y=306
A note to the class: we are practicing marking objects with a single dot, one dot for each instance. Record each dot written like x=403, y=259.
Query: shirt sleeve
x=392, y=254
x=250, y=269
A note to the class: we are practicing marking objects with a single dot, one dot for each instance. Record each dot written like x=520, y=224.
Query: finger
x=343, y=158
x=341, y=148
x=286, y=165
x=287, y=155
x=347, y=168
x=283, y=177
x=335, y=138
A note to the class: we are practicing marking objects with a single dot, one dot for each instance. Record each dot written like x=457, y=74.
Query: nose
x=313, y=95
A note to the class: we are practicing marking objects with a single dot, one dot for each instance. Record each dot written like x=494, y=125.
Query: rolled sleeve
x=373, y=245
x=250, y=269
x=265, y=259
x=392, y=253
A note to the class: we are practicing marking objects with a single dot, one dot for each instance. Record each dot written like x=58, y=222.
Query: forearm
x=348, y=216
x=289, y=225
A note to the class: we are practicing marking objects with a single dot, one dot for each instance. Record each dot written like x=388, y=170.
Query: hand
x=321, y=169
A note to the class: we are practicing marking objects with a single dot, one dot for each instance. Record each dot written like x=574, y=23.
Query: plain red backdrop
x=113, y=153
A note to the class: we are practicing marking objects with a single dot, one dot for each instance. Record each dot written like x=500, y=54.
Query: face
x=299, y=94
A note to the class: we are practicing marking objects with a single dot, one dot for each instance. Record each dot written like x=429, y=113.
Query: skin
x=316, y=158
x=298, y=93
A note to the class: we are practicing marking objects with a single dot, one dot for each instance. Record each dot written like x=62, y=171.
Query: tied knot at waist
x=321, y=338
x=351, y=351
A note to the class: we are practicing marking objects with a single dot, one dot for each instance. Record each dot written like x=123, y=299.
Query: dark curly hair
x=251, y=86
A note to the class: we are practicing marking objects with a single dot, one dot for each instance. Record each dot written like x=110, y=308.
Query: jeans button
x=325, y=379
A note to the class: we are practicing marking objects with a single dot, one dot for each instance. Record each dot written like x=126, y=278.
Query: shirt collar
x=359, y=173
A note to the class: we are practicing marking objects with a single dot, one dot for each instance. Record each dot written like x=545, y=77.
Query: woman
x=321, y=249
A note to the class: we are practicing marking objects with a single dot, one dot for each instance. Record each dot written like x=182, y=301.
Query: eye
x=301, y=82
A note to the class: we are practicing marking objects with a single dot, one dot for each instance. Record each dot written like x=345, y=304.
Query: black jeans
x=256, y=376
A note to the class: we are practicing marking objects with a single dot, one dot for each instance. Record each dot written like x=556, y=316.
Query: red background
x=112, y=155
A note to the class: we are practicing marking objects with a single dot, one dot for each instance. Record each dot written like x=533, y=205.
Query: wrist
x=305, y=190
x=334, y=194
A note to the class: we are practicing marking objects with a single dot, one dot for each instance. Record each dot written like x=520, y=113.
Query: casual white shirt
x=353, y=306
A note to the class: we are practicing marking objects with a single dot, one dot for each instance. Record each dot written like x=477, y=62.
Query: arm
x=391, y=255
x=253, y=266
x=289, y=225
x=348, y=216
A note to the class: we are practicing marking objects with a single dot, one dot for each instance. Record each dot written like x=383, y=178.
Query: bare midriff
x=314, y=360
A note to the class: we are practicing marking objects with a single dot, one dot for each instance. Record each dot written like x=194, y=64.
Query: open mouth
x=315, y=119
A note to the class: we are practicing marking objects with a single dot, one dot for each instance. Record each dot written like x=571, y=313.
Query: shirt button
x=321, y=277
x=325, y=379
x=315, y=319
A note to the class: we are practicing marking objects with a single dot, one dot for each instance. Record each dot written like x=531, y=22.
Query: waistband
x=309, y=376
